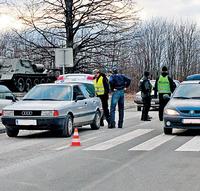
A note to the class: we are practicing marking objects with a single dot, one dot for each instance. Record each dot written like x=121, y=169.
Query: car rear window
x=90, y=88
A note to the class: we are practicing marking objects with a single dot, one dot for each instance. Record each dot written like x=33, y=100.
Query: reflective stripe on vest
x=99, y=88
x=163, y=85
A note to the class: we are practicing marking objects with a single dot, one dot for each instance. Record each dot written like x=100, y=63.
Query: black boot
x=101, y=123
x=112, y=125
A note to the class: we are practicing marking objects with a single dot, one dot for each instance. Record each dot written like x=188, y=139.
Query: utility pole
x=69, y=23
x=69, y=26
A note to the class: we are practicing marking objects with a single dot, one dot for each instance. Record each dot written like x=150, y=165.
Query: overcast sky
x=188, y=10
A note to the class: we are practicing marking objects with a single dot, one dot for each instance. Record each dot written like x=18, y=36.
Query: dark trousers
x=146, y=107
x=104, y=100
x=162, y=104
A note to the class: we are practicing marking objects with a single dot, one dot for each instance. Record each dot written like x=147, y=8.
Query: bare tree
x=188, y=42
x=82, y=25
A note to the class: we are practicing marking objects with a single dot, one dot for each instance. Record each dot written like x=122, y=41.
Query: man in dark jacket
x=164, y=85
x=145, y=88
x=118, y=83
x=102, y=91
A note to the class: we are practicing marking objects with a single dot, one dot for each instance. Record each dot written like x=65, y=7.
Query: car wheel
x=139, y=108
x=96, y=122
x=168, y=131
x=12, y=132
x=68, y=129
x=20, y=85
x=28, y=84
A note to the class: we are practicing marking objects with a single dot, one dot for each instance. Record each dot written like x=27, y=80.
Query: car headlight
x=171, y=112
x=50, y=113
x=8, y=113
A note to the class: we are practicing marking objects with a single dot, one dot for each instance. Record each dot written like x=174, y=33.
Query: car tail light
x=55, y=113
x=61, y=77
x=90, y=77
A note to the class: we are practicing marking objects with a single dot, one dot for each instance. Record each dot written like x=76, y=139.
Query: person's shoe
x=102, y=124
x=120, y=127
x=149, y=117
x=111, y=126
x=146, y=119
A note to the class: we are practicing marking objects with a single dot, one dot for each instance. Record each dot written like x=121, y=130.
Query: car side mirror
x=11, y=98
x=79, y=97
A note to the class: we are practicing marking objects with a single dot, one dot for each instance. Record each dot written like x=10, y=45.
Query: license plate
x=191, y=121
x=25, y=122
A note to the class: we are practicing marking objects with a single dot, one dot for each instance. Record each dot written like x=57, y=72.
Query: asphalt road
x=138, y=157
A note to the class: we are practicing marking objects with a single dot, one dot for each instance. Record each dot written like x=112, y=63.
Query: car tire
x=139, y=108
x=68, y=129
x=12, y=132
x=167, y=131
x=96, y=122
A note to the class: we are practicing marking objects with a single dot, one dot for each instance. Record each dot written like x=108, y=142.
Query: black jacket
x=119, y=81
x=145, y=87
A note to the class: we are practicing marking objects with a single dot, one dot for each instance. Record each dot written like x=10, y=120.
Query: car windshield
x=49, y=92
x=187, y=91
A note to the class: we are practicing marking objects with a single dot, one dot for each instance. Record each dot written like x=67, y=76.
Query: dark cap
x=114, y=70
x=164, y=69
x=146, y=73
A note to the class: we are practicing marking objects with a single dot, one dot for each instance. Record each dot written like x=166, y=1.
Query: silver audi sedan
x=53, y=107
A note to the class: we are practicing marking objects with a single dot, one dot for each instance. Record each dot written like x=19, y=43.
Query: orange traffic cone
x=75, y=138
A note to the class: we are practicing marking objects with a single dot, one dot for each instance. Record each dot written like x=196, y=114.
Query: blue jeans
x=117, y=98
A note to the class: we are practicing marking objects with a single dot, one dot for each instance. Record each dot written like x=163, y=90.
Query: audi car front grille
x=27, y=113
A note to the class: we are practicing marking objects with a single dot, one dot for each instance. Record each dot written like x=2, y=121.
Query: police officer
x=102, y=91
x=118, y=83
x=145, y=88
x=164, y=85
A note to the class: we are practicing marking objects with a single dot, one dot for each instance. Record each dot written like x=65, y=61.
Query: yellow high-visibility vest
x=163, y=85
x=99, y=88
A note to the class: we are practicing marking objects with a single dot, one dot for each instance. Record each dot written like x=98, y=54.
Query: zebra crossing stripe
x=152, y=143
x=192, y=145
x=119, y=140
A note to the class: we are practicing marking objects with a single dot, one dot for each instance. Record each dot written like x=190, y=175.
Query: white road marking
x=152, y=143
x=192, y=145
x=119, y=140
x=67, y=146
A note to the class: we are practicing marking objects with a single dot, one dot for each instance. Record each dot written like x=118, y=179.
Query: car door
x=79, y=107
x=91, y=103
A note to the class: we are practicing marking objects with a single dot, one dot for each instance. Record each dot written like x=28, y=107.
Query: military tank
x=20, y=75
